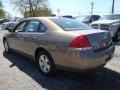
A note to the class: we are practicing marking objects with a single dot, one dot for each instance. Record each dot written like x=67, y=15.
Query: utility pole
x=58, y=11
x=30, y=5
x=92, y=7
x=113, y=3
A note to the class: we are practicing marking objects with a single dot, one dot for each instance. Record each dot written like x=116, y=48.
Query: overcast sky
x=73, y=7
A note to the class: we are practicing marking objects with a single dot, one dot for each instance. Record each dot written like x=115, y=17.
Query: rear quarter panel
x=56, y=43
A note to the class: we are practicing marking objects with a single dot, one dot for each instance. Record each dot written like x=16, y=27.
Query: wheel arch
x=39, y=49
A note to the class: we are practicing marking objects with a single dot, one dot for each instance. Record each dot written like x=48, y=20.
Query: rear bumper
x=84, y=60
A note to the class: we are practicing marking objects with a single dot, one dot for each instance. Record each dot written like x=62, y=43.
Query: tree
x=39, y=12
x=2, y=13
x=0, y=5
x=31, y=8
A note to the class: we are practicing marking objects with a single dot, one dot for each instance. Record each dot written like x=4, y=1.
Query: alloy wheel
x=44, y=63
x=6, y=46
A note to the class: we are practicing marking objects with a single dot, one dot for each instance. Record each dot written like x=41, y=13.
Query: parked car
x=60, y=43
x=9, y=25
x=3, y=21
x=87, y=19
x=68, y=16
x=109, y=23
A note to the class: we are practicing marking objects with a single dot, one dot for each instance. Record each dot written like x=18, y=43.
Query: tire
x=117, y=36
x=6, y=46
x=45, y=63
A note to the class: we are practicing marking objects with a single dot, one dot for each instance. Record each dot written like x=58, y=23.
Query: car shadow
x=105, y=79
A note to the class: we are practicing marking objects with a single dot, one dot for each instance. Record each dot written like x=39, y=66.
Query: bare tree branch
x=30, y=5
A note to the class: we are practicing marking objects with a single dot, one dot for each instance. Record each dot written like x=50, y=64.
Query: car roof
x=43, y=18
x=47, y=22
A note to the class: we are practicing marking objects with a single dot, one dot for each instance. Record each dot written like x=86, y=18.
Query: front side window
x=20, y=27
x=32, y=26
x=70, y=24
x=96, y=17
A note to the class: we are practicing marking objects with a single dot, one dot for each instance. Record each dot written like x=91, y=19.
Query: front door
x=15, y=36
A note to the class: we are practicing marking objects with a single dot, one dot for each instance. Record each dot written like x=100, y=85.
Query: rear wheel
x=45, y=63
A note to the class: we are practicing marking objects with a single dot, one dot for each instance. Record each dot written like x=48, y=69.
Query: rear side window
x=42, y=27
x=70, y=24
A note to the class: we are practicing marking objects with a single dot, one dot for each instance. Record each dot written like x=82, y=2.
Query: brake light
x=80, y=42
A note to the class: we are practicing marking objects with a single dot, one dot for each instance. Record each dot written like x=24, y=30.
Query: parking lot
x=19, y=73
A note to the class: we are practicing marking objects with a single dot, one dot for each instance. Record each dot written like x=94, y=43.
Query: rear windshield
x=70, y=24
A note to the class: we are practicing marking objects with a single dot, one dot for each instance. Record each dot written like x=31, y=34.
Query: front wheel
x=45, y=63
x=6, y=46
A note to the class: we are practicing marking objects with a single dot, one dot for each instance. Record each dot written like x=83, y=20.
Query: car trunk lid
x=98, y=39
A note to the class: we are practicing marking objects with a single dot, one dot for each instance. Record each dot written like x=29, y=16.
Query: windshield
x=83, y=18
x=110, y=17
x=70, y=24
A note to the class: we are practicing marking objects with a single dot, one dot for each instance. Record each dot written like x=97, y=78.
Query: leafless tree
x=30, y=5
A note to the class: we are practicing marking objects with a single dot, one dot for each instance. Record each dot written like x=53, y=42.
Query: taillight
x=80, y=42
